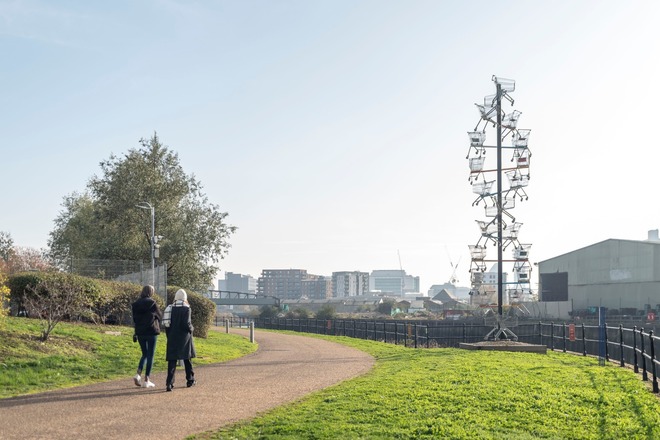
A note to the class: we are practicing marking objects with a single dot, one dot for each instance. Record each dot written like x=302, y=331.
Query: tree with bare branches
x=53, y=301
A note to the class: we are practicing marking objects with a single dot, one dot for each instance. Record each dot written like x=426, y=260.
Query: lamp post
x=149, y=206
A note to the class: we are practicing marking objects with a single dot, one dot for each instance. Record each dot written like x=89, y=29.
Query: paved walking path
x=285, y=368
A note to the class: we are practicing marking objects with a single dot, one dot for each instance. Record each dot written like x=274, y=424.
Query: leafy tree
x=6, y=246
x=104, y=222
x=268, y=312
x=326, y=312
x=78, y=231
x=386, y=307
x=26, y=258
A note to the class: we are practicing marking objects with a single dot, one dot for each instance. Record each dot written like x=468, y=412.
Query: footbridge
x=230, y=298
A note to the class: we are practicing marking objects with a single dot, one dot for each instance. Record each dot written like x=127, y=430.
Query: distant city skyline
x=335, y=133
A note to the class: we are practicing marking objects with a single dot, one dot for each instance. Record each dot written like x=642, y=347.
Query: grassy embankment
x=77, y=354
x=458, y=394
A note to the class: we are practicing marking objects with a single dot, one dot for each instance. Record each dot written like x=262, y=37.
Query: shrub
x=268, y=312
x=202, y=310
x=326, y=312
x=56, y=298
x=114, y=304
x=298, y=313
x=4, y=297
x=386, y=307
x=24, y=286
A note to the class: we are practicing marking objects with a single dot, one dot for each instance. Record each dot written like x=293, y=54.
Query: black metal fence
x=627, y=346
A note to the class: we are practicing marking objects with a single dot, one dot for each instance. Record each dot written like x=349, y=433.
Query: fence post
x=415, y=335
x=645, y=375
x=652, y=348
x=622, y=363
x=563, y=330
x=552, y=336
x=540, y=333
x=252, y=331
x=635, y=360
x=464, y=333
x=226, y=326
x=607, y=348
x=584, y=341
x=375, y=335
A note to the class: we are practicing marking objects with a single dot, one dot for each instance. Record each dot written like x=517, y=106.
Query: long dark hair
x=147, y=291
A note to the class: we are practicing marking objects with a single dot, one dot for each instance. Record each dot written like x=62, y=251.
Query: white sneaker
x=137, y=380
x=148, y=384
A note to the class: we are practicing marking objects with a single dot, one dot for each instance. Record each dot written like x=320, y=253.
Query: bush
x=4, y=298
x=298, y=313
x=267, y=312
x=326, y=312
x=108, y=302
x=202, y=310
x=56, y=298
x=25, y=283
x=386, y=307
x=114, y=305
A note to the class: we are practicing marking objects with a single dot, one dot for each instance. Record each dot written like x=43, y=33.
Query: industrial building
x=621, y=275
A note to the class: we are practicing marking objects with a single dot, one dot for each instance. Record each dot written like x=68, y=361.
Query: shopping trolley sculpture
x=498, y=196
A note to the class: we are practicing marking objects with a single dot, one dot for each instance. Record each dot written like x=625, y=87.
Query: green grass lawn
x=459, y=394
x=77, y=354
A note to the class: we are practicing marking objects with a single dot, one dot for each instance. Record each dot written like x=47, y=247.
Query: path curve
x=284, y=369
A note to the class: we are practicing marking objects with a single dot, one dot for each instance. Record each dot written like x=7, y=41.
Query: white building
x=394, y=282
x=349, y=284
x=236, y=282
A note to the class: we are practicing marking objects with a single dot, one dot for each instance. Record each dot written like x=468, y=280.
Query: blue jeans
x=148, y=346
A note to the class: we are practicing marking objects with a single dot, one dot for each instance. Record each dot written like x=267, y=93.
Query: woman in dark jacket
x=146, y=317
x=180, y=345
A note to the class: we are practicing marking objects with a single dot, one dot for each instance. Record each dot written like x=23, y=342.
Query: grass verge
x=459, y=394
x=78, y=354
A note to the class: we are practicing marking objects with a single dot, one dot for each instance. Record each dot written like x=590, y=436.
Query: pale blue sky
x=334, y=132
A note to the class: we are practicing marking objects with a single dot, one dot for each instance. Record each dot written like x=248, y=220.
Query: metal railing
x=627, y=346
x=232, y=321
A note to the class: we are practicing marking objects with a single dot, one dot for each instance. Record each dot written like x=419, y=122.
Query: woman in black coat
x=180, y=345
x=146, y=317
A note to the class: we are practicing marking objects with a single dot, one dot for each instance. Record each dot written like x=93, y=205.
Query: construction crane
x=453, y=279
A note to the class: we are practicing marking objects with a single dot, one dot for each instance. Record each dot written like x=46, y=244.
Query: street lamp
x=147, y=205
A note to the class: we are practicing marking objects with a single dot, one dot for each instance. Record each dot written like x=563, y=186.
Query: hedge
x=22, y=284
x=109, y=302
x=202, y=310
